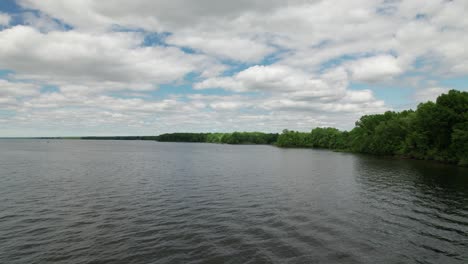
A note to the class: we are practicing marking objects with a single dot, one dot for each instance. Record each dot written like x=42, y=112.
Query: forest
x=226, y=138
x=434, y=131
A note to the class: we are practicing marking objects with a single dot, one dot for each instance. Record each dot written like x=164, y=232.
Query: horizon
x=86, y=68
x=176, y=132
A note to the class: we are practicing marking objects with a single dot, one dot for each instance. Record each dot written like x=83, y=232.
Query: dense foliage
x=435, y=131
x=183, y=137
x=228, y=138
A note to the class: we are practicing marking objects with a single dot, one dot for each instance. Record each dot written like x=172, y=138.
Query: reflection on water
x=148, y=202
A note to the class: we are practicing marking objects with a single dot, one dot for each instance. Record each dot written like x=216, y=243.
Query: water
x=148, y=202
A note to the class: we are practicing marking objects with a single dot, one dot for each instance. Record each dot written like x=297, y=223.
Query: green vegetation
x=435, y=131
x=227, y=138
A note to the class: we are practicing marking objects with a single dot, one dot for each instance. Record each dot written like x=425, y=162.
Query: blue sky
x=147, y=67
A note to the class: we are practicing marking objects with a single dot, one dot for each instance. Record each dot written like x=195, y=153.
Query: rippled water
x=148, y=202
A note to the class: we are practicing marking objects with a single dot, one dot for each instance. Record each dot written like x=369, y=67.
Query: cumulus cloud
x=287, y=89
x=375, y=68
x=12, y=94
x=225, y=47
x=277, y=78
x=155, y=15
x=4, y=19
x=17, y=89
x=314, y=31
x=41, y=21
x=429, y=94
x=279, y=64
x=112, y=58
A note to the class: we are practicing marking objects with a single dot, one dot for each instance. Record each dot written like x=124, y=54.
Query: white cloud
x=374, y=69
x=237, y=49
x=155, y=14
x=277, y=78
x=41, y=21
x=355, y=103
x=12, y=94
x=4, y=19
x=429, y=94
x=80, y=58
x=311, y=50
x=313, y=31
x=287, y=89
x=18, y=89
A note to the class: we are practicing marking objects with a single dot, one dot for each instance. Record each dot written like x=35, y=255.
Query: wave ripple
x=146, y=202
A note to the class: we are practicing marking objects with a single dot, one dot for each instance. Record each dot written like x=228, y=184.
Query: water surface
x=67, y=201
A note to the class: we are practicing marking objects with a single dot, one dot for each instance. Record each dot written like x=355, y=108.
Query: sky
x=146, y=67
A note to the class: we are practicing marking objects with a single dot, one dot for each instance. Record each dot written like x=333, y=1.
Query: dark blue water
x=148, y=202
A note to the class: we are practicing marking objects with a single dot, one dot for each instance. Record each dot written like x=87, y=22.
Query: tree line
x=224, y=138
x=434, y=131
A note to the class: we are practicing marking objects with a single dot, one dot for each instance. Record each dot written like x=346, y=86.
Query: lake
x=72, y=201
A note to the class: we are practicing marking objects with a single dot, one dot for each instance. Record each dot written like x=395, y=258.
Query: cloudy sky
x=144, y=67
